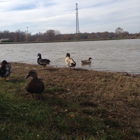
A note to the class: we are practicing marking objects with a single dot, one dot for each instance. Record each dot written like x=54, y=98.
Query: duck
x=69, y=61
x=5, y=69
x=36, y=85
x=41, y=61
x=86, y=61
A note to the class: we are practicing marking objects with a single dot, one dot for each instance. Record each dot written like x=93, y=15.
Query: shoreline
x=132, y=74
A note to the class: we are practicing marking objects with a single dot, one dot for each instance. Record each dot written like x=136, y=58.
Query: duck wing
x=44, y=61
x=71, y=63
x=85, y=61
x=8, y=67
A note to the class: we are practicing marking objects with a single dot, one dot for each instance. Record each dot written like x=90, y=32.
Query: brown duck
x=36, y=85
x=86, y=61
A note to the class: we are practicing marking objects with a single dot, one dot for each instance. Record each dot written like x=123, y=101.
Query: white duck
x=86, y=61
x=69, y=61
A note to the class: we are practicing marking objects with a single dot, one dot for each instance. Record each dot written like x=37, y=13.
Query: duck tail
x=73, y=64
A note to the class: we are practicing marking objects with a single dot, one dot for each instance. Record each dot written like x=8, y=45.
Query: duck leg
x=41, y=96
x=32, y=95
x=5, y=79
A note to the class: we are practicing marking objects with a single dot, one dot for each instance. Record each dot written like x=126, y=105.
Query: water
x=114, y=55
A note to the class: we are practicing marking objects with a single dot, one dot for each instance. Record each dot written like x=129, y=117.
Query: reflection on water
x=86, y=64
x=115, y=55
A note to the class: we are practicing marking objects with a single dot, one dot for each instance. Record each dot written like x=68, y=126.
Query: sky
x=60, y=15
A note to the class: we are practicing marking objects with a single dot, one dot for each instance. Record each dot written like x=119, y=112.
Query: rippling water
x=114, y=55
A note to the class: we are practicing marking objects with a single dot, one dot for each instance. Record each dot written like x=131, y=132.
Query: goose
x=5, y=69
x=36, y=85
x=41, y=61
x=86, y=61
x=69, y=61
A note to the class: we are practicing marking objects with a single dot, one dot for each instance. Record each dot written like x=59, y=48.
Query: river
x=110, y=55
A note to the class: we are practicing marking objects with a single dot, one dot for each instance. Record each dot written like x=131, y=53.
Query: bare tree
x=119, y=30
x=50, y=35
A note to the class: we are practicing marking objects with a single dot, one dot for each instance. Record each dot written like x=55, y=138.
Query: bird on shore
x=5, y=69
x=69, y=61
x=36, y=85
x=86, y=61
x=41, y=61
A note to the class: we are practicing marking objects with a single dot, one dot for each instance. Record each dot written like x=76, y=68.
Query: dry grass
x=111, y=97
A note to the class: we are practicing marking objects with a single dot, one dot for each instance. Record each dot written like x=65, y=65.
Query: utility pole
x=27, y=34
x=27, y=30
x=77, y=20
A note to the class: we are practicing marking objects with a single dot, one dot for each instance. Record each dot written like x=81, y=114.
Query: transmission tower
x=77, y=20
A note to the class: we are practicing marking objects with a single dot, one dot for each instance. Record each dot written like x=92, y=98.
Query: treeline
x=53, y=35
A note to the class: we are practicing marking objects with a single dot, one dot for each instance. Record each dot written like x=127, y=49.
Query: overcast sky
x=94, y=15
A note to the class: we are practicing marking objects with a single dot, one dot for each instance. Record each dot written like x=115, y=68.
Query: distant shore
x=57, y=41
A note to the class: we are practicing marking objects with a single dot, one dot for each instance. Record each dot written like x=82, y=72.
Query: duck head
x=39, y=55
x=31, y=73
x=67, y=54
x=89, y=58
x=4, y=62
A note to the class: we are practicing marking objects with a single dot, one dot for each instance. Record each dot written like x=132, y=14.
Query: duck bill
x=27, y=76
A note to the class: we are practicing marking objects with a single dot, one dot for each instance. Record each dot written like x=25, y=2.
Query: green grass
x=70, y=111
x=53, y=118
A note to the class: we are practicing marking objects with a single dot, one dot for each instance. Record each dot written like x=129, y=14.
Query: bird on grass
x=36, y=85
x=41, y=61
x=86, y=61
x=5, y=69
x=69, y=61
